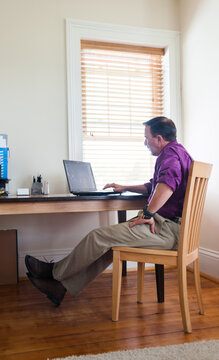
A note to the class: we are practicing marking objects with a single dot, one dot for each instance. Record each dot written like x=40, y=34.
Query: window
x=122, y=86
x=114, y=145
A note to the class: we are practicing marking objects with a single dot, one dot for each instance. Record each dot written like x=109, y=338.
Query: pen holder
x=36, y=188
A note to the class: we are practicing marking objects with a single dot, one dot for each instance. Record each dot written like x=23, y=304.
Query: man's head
x=159, y=131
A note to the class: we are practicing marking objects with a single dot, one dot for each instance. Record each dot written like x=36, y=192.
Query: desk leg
x=159, y=269
x=8, y=257
x=121, y=219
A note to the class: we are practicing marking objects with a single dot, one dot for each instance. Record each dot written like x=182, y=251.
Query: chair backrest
x=193, y=207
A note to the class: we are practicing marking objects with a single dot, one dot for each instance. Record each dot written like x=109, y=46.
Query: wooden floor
x=31, y=328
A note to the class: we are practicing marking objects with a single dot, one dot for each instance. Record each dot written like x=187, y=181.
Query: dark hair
x=163, y=126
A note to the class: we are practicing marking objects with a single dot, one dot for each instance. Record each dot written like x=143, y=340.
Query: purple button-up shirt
x=171, y=168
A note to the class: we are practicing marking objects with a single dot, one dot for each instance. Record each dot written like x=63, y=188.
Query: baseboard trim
x=58, y=254
x=209, y=262
x=44, y=255
x=206, y=276
x=150, y=269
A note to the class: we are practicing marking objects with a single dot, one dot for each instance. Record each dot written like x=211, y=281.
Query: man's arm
x=141, y=189
x=161, y=194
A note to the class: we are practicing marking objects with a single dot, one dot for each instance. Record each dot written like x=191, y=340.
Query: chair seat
x=173, y=253
x=166, y=257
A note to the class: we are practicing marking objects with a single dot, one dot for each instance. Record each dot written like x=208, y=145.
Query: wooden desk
x=53, y=204
x=50, y=204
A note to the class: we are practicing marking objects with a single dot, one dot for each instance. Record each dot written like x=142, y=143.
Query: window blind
x=122, y=86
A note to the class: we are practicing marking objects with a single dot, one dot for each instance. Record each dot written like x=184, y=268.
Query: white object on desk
x=23, y=191
x=3, y=141
x=46, y=188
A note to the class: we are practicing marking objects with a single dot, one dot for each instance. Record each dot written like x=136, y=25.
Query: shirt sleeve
x=148, y=185
x=170, y=172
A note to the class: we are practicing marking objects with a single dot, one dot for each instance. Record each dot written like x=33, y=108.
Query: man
x=156, y=226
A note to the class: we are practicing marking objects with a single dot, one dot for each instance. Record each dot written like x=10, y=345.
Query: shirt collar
x=168, y=145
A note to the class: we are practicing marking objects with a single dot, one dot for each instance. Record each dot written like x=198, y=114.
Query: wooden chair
x=187, y=253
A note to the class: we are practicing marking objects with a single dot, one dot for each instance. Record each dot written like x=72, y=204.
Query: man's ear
x=160, y=139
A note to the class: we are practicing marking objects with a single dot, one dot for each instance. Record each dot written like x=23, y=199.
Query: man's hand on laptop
x=116, y=187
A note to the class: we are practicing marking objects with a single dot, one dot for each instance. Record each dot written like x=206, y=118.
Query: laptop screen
x=79, y=175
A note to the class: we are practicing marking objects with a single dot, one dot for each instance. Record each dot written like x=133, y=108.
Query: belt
x=176, y=219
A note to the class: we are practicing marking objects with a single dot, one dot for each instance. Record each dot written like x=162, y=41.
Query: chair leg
x=198, y=286
x=140, y=284
x=116, y=288
x=183, y=298
x=159, y=270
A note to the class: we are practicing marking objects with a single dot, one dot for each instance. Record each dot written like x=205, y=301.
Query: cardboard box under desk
x=8, y=257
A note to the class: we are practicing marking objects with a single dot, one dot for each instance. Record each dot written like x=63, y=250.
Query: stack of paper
x=3, y=140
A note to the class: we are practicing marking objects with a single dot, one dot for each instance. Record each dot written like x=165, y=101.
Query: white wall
x=200, y=54
x=33, y=100
x=200, y=79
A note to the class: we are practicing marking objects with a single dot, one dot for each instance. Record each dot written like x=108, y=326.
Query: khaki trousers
x=93, y=254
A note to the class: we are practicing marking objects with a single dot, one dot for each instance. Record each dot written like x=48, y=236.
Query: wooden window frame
x=77, y=30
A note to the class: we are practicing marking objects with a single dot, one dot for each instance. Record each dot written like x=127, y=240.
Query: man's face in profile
x=151, y=142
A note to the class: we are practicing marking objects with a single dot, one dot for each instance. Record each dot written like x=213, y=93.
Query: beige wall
x=200, y=79
x=33, y=75
x=33, y=100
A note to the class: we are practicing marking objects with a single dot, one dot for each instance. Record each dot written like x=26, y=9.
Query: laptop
x=81, y=179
